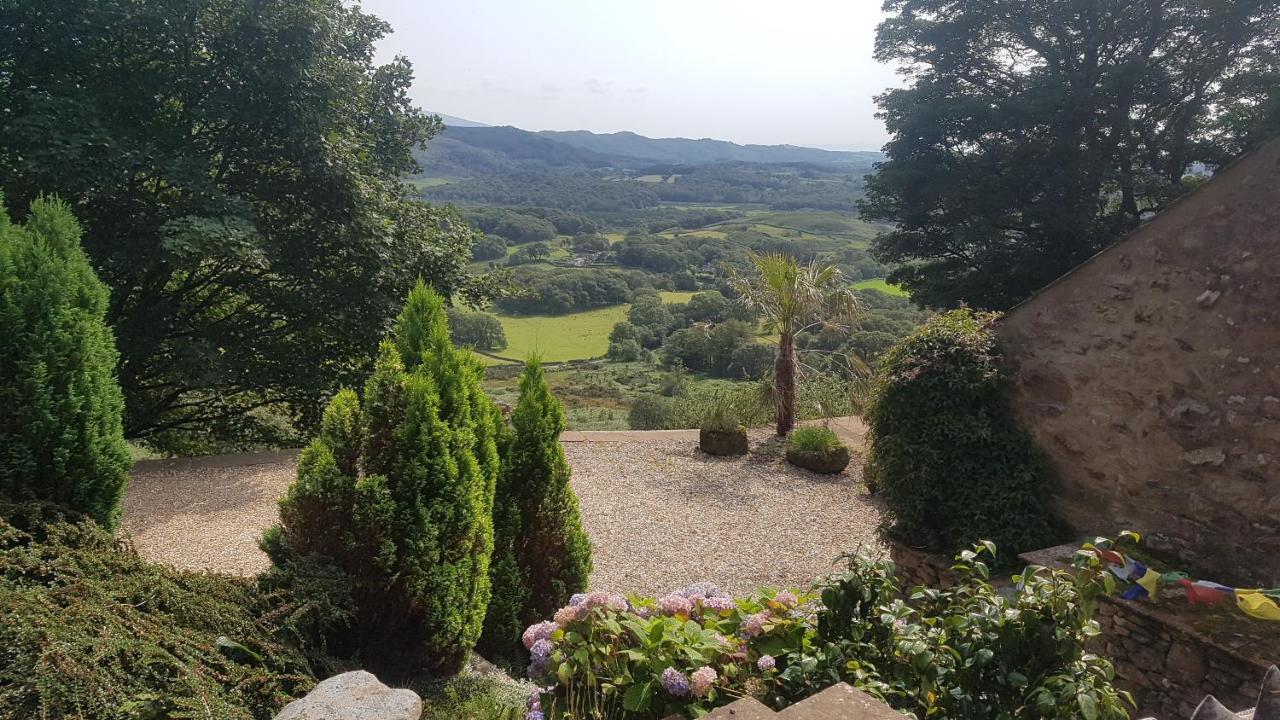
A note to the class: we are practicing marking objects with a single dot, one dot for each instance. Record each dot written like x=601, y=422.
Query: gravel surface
x=660, y=514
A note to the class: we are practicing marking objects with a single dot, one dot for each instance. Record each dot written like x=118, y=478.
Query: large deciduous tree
x=236, y=167
x=1033, y=134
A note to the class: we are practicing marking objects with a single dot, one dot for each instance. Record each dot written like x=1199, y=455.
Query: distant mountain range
x=471, y=149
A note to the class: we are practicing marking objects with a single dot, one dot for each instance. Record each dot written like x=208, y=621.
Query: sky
x=796, y=72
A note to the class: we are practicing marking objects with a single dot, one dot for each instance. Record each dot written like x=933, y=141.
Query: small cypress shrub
x=549, y=552
x=397, y=493
x=61, y=436
x=945, y=450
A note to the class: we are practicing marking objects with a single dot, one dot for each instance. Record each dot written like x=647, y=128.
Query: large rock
x=354, y=696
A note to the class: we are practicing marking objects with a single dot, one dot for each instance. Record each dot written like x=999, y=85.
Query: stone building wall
x=1151, y=375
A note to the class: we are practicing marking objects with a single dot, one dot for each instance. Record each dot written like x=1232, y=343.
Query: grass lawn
x=576, y=336
x=881, y=285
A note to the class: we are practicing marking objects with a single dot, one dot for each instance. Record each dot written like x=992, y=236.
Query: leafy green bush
x=945, y=449
x=651, y=412
x=397, y=494
x=90, y=630
x=545, y=556
x=813, y=439
x=965, y=652
x=61, y=436
x=685, y=653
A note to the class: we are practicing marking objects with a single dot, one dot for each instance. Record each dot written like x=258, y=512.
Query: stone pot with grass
x=721, y=432
x=817, y=449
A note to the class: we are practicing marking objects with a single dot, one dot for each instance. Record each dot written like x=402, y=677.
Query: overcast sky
x=795, y=71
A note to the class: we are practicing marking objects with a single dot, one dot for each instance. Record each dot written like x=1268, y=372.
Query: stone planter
x=828, y=462
x=723, y=442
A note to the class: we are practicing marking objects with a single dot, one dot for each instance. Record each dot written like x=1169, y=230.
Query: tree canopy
x=1032, y=135
x=236, y=168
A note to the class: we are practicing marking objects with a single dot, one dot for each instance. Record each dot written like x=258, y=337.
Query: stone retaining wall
x=1167, y=666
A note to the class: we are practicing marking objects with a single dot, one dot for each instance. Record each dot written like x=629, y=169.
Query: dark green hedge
x=946, y=452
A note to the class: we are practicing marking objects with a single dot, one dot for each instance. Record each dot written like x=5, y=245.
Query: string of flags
x=1254, y=602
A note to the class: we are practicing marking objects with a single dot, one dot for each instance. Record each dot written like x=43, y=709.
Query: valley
x=620, y=249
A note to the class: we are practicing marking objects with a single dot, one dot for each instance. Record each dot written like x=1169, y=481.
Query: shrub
x=90, y=630
x=651, y=412
x=397, y=494
x=61, y=437
x=813, y=439
x=966, y=652
x=546, y=556
x=684, y=654
x=945, y=449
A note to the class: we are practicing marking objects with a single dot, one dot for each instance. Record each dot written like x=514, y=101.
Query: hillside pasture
x=880, y=284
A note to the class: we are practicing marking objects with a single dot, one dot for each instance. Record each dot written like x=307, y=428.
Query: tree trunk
x=784, y=384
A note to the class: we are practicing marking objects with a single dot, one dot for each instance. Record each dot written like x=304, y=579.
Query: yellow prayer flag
x=1150, y=581
x=1254, y=604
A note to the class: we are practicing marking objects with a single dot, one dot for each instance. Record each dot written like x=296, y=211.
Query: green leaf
x=637, y=697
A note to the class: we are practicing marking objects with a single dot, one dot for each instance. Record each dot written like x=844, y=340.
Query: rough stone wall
x=1151, y=375
x=1169, y=668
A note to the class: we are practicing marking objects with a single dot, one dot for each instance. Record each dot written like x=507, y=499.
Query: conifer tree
x=550, y=554
x=61, y=437
x=397, y=493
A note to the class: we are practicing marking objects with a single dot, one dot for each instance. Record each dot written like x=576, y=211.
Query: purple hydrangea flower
x=674, y=682
x=766, y=663
x=702, y=679
x=536, y=632
x=578, y=599
x=644, y=612
x=541, y=650
x=535, y=715
x=786, y=598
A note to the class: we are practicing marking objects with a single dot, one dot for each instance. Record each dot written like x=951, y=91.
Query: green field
x=881, y=285
x=576, y=336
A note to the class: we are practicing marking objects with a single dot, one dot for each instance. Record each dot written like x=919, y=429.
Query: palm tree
x=791, y=298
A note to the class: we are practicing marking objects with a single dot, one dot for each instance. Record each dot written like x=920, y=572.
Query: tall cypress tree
x=397, y=493
x=60, y=406
x=544, y=553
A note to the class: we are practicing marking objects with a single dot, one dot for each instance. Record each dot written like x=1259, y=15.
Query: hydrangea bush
x=606, y=655
x=968, y=651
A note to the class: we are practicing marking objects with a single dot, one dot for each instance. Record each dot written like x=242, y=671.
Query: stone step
x=838, y=702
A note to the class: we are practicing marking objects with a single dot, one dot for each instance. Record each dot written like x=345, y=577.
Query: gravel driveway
x=660, y=514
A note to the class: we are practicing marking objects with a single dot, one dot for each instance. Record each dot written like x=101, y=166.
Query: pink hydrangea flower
x=766, y=663
x=701, y=681
x=674, y=605
x=570, y=614
x=786, y=598
x=536, y=632
x=718, y=604
x=753, y=625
